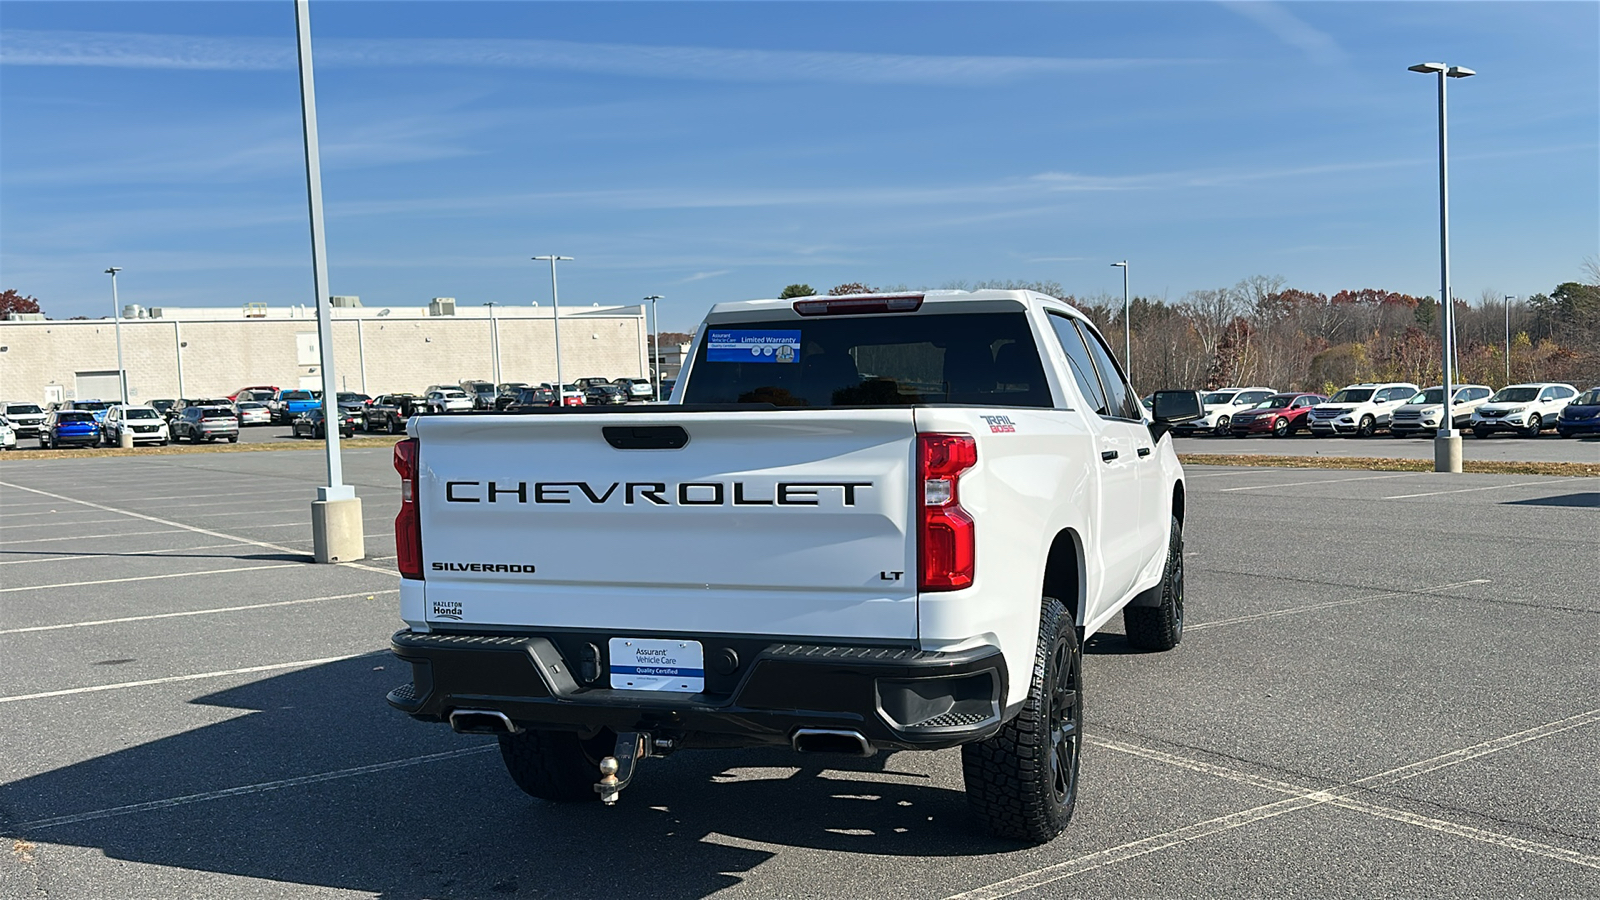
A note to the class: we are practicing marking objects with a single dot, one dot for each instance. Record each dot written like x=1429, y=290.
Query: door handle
x=1144, y=451
x=1108, y=455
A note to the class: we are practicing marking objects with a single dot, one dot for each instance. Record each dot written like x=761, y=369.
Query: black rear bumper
x=758, y=690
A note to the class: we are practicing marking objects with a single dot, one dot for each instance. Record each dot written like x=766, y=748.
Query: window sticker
x=753, y=346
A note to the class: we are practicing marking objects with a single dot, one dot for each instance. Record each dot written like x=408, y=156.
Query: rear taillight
x=408, y=524
x=859, y=304
x=947, y=539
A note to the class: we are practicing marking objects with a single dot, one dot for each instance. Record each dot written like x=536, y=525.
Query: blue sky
x=711, y=152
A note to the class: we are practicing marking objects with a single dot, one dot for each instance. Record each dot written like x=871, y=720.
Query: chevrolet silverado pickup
x=863, y=523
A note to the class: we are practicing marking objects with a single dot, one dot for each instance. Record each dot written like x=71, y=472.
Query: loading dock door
x=103, y=385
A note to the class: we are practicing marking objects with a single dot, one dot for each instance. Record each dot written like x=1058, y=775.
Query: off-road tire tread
x=550, y=765
x=1008, y=776
x=1157, y=627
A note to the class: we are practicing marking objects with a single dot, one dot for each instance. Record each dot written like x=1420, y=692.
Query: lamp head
x=113, y=271
x=1122, y=265
x=653, y=297
x=1459, y=72
x=1429, y=68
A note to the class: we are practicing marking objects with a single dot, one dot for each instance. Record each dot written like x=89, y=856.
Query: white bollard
x=125, y=439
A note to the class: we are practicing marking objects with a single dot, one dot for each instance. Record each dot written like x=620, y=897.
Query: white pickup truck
x=864, y=523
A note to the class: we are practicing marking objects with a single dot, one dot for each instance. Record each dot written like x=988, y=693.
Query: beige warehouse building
x=207, y=352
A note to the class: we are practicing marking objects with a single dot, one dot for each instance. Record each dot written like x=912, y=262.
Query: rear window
x=211, y=413
x=74, y=417
x=297, y=395
x=95, y=405
x=978, y=359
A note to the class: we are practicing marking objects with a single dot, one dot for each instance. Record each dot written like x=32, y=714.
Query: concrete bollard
x=1447, y=452
x=336, y=531
x=125, y=439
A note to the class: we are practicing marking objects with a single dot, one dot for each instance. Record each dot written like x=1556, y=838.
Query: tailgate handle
x=645, y=437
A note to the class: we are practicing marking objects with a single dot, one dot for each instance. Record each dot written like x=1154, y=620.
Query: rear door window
x=1119, y=397
x=977, y=359
x=1079, y=361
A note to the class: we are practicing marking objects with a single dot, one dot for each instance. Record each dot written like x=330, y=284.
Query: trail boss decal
x=1000, y=424
x=654, y=493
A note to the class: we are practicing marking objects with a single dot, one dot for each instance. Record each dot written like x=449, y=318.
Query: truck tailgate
x=538, y=520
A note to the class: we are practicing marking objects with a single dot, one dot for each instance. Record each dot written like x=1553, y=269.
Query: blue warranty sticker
x=753, y=346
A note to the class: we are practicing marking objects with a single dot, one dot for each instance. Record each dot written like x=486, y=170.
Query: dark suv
x=481, y=392
x=389, y=412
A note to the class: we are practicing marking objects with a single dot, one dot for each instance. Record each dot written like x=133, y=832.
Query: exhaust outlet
x=828, y=740
x=482, y=721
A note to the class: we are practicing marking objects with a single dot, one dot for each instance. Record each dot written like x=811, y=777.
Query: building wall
x=374, y=355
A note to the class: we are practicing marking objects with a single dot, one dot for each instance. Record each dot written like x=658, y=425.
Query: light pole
x=116, y=316
x=1127, y=323
x=336, y=527
x=555, y=301
x=1447, y=442
x=1509, y=298
x=494, y=343
x=655, y=350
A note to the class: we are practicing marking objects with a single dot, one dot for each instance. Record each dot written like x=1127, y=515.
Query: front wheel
x=1022, y=784
x=1280, y=427
x=1160, y=627
x=1535, y=424
x=1480, y=433
x=1222, y=425
x=556, y=765
x=1367, y=427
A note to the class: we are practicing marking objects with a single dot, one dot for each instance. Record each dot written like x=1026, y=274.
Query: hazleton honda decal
x=483, y=567
x=1000, y=424
x=654, y=493
x=447, y=609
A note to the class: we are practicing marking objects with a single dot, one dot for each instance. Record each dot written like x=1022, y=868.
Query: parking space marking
x=4, y=526
x=1444, y=825
x=68, y=584
x=194, y=528
x=1332, y=604
x=170, y=679
x=146, y=553
x=1262, y=487
x=1042, y=876
x=1492, y=487
x=85, y=537
x=197, y=612
x=258, y=788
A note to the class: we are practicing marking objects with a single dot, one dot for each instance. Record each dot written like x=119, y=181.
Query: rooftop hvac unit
x=255, y=310
x=345, y=302
x=442, y=306
x=132, y=311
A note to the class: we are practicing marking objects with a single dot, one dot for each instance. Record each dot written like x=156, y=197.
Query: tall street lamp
x=655, y=356
x=116, y=316
x=494, y=343
x=1447, y=442
x=555, y=300
x=1509, y=298
x=1127, y=323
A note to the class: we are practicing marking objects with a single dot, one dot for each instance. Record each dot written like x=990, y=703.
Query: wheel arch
x=1064, y=576
x=1177, y=500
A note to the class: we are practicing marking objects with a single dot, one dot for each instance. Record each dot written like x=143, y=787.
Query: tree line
x=1260, y=331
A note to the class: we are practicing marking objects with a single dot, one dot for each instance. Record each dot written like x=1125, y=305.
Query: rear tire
x=1022, y=784
x=557, y=766
x=1161, y=627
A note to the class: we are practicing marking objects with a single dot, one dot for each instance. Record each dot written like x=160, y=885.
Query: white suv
x=1361, y=409
x=1220, y=406
x=143, y=422
x=1421, y=414
x=1527, y=408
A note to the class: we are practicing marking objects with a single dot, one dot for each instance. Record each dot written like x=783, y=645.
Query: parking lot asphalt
x=1547, y=447
x=1387, y=689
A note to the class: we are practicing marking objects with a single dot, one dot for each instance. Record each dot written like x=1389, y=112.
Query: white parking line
x=1040, y=877
x=301, y=664
x=45, y=587
x=197, y=530
x=1478, y=834
x=243, y=790
x=86, y=537
x=5, y=527
x=1492, y=487
x=81, y=556
x=1263, y=487
x=196, y=612
x=1331, y=604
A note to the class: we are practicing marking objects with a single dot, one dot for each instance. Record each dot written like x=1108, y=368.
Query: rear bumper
x=758, y=690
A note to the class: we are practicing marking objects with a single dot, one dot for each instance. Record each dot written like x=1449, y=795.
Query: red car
x=1279, y=415
x=257, y=387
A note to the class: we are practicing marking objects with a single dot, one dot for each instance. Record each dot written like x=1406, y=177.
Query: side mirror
x=1172, y=407
x=1168, y=408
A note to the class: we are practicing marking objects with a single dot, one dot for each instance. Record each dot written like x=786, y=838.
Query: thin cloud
x=702, y=276
x=167, y=51
x=1317, y=45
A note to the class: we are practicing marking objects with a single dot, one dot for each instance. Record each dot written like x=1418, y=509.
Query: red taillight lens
x=947, y=539
x=408, y=524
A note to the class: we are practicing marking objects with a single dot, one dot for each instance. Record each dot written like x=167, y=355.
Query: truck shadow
x=233, y=797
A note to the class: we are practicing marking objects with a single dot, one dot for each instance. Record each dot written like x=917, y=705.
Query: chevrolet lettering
x=864, y=523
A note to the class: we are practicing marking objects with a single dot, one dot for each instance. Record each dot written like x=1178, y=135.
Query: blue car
x=97, y=408
x=1581, y=416
x=69, y=428
x=290, y=405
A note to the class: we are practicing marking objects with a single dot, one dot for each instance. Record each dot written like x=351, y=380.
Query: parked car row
x=1401, y=408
